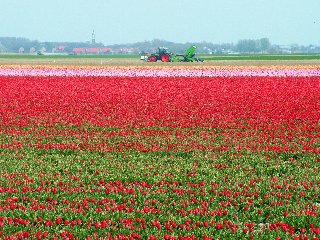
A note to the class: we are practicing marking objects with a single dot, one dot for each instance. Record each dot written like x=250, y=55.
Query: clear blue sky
x=125, y=21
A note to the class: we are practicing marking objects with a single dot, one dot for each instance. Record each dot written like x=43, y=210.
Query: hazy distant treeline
x=263, y=45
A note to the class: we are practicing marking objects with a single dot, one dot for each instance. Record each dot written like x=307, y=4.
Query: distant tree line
x=13, y=44
x=253, y=46
x=263, y=45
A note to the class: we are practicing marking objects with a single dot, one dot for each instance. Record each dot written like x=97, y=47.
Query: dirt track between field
x=136, y=62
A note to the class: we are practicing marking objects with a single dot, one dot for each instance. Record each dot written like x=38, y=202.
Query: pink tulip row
x=298, y=71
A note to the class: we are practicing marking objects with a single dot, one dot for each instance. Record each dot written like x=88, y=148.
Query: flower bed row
x=306, y=71
x=98, y=157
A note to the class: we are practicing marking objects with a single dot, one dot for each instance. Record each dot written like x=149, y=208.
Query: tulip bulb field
x=158, y=152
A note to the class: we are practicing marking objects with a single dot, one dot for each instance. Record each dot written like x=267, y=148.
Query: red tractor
x=161, y=54
x=165, y=56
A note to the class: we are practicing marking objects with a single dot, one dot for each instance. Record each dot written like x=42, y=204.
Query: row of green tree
x=13, y=44
x=243, y=46
x=263, y=45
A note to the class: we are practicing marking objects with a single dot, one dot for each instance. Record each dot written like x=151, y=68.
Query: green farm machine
x=188, y=56
x=165, y=56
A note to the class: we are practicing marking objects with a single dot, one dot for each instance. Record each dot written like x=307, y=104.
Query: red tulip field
x=159, y=153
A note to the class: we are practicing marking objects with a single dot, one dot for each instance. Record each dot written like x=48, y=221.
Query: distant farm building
x=126, y=50
x=105, y=50
x=43, y=50
x=32, y=50
x=77, y=51
x=59, y=49
x=93, y=50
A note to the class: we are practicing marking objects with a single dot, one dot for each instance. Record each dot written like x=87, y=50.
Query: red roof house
x=60, y=48
x=105, y=50
x=93, y=50
x=78, y=50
